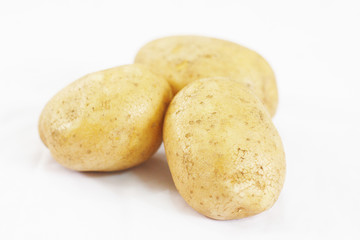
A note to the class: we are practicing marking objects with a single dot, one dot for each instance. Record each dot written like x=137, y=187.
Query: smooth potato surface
x=224, y=153
x=183, y=59
x=106, y=121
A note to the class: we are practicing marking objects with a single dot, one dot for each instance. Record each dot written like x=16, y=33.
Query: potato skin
x=183, y=59
x=224, y=153
x=106, y=121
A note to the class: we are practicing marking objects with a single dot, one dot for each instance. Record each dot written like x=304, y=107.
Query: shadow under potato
x=154, y=173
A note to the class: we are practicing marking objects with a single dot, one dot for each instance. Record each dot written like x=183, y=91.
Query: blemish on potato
x=223, y=157
x=88, y=108
x=240, y=209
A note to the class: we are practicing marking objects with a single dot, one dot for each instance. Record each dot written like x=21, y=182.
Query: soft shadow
x=95, y=174
x=155, y=173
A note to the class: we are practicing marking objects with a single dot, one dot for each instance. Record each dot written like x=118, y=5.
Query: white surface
x=313, y=47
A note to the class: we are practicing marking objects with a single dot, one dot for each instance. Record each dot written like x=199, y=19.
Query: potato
x=106, y=121
x=183, y=59
x=224, y=153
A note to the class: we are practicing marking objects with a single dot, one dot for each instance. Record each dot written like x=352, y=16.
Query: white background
x=313, y=47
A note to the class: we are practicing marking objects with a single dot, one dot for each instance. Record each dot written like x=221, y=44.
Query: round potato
x=106, y=121
x=224, y=153
x=183, y=59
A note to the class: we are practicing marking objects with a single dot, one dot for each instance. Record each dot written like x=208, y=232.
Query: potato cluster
x=211, y=100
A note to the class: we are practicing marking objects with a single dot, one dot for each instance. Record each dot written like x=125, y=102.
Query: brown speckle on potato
x=87, y=126
x=203, y=57
x=232, y=160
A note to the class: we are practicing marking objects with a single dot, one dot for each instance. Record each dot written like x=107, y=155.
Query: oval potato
x=183, y=59
x=106, y=121
x=224, y=153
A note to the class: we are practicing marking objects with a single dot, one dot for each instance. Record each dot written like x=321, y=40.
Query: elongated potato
x=225, y=155
x=106, y=121
x=183, y=59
